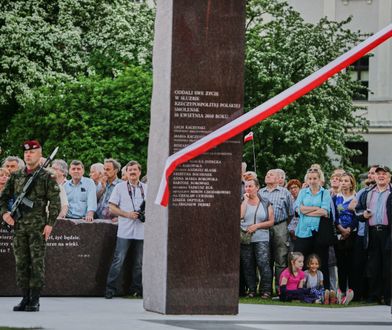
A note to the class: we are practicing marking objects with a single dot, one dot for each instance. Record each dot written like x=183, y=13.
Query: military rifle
x=22, y=200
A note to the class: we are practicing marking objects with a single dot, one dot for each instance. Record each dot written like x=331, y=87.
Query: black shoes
x=109, y=295
x=33, y=305
x=24, y=302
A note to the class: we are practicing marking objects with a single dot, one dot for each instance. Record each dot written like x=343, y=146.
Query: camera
x=141, y=211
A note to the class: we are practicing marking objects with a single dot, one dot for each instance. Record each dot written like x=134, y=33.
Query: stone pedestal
x=191, y=248
x=78, y=257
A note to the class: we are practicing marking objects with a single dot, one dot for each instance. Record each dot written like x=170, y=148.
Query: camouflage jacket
x=44, y=190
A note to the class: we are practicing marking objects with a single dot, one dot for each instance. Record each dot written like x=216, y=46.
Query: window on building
x=360, y=72
x=361, y=159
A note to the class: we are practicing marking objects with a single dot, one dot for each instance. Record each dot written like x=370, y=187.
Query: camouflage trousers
x=29, y=250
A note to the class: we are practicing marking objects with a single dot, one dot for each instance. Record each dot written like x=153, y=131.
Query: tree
x=46, y=42
x=90, y=119
x=281, y=49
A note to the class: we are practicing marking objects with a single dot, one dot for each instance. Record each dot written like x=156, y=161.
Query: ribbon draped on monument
x=266, y=109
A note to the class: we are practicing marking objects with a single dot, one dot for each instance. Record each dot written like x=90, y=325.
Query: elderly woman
x=294, y=186
x=257, y=216
x=97, y=175
x=4, y=176
x=312, y=203
x=60, y=169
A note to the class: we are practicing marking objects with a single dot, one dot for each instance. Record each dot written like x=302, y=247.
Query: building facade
x=368, y=16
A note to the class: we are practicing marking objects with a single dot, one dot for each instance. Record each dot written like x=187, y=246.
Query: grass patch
x=259, y=301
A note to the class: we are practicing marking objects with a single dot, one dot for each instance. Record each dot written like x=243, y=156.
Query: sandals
x=266, y=295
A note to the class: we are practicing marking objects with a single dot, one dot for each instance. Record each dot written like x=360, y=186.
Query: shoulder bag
x=245, y=237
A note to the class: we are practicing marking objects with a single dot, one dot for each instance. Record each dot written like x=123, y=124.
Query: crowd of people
x=281, y=252
x=103, y=195
x=288, y=255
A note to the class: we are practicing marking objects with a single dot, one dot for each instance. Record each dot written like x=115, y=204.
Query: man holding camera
x=126, y=202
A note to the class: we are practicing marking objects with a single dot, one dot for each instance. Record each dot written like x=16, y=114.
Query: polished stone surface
x=191, y=255
x=78, y=257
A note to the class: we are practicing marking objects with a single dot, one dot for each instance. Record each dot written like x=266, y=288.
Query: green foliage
x=281, y=50
x=44, y=42
x=91, y=119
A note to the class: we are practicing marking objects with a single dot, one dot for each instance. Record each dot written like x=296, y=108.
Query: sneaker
x=326, y=297
x=348, y=297
x=332, y=297
x=339, y=296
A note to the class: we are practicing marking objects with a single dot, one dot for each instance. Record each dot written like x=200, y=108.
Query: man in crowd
x=375, y=205
x=81, y=193
x=110, y=180
x=34, y=227
x=282, y=204
x=125, y=202
x=13, y=164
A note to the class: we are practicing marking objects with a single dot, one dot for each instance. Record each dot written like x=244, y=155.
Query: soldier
x=34, y=227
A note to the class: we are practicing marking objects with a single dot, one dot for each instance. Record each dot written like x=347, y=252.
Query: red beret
x=32, y=144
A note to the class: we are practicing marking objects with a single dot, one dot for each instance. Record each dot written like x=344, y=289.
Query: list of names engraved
x=196, y=112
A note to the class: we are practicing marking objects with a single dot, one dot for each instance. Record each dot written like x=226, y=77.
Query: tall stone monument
x=191, y=251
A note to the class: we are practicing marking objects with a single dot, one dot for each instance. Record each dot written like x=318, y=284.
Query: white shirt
x=129, y=228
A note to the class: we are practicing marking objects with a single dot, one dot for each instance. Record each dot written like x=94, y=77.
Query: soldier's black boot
x=24, y=302
x=33, y=305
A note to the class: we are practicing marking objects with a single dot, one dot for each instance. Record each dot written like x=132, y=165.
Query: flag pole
x=254, y=155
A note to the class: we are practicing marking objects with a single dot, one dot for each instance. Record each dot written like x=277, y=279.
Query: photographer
x=126, y=202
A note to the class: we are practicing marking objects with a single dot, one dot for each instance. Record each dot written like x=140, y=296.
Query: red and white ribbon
x=266, y=109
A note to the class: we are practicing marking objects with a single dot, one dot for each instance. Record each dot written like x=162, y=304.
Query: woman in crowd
x=294, y=186
x=312, y=203
x=4, y=176
x=346, y=225
x=96, y=174
x=256, y=217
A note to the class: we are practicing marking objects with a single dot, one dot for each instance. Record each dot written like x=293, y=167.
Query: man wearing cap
x=33, y=228
x=375, y=209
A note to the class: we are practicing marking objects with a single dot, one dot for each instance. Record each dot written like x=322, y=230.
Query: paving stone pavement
x=120, y=313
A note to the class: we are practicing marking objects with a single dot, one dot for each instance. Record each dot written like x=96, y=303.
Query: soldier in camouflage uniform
x=34, y=227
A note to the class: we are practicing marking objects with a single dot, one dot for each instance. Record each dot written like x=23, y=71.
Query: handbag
x=245, y=237
x=326, y=234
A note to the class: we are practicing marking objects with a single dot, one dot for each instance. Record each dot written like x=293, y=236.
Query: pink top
x=292, y=281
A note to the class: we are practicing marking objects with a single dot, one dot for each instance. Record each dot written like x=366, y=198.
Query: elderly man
x=375, y=209
x=125, y=202
x=110, y=180
x=81, y=193
x=282, y=204
x=34, y=227
x=13, y=164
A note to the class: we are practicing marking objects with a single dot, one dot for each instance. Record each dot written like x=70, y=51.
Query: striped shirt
x=281, y=201
x=377, y=204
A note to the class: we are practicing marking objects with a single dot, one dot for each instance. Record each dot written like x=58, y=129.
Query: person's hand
x=133, y=215
x=345, y=233
x=47, y=231
x=246, y=197
x=252, y=228
x=103, y=181
x=8, y=219
x=367, y=214
x=89, y=216
x=115, y=219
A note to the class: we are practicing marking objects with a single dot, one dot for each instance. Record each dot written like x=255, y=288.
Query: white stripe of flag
x=266, y=109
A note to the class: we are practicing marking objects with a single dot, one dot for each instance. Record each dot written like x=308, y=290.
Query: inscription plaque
x=78, y=257
x=200, y=231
